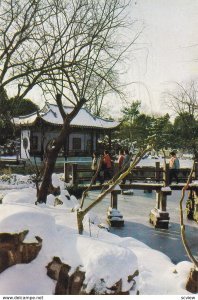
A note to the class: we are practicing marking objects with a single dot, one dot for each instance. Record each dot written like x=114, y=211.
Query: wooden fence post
x=166, y=174
x=66, y=172
x=195, y=173
x=114, y=199
x=157, y=171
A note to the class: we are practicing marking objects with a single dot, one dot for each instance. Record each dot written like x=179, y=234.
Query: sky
x=165, y=53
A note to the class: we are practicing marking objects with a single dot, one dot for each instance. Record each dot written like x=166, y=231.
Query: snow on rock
x=68, y=201
x=10, y=181
x=103, y=260
x=56, y=181
x=16, y=218
x=27, y=195
x=50, y=200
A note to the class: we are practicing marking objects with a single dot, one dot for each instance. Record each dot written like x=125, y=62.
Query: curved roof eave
x=51, y=115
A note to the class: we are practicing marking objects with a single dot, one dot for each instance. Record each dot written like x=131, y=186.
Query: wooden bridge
x=143, y=178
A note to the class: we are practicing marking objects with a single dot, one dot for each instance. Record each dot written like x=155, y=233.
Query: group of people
x=124, y=160
x=107, y=164
x=104, y=163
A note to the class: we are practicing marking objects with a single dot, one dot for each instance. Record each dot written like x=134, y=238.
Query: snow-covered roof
x=51, y=114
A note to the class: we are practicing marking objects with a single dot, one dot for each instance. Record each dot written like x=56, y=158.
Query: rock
x=74, y=284
x=57, y=201
x=192, y=282
x=53, y=268
x=62, y=285
x=14, y=251
x=116, y=289
x=57, y=270
x=54, y=190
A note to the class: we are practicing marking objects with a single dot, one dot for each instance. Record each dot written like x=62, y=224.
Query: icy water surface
x=136, y=208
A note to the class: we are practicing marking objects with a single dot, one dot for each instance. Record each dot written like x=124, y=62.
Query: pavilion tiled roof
x=51, y=114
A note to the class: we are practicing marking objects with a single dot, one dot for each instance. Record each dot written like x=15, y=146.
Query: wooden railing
x=81, y=173
x=147, y=179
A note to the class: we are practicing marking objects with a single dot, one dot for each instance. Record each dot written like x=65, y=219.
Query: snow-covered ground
x=184, y=163
x=101, y=254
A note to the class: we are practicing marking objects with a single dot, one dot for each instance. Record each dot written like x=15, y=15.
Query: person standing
x=95, y=166
x=127, y=159
x=174, y=166
x=107, y=165
x=120, y=159
x=126, y=163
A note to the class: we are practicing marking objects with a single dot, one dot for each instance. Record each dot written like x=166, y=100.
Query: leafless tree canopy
x=70, y=49
x=184, y=99
x=66, y=47
x=89, y=48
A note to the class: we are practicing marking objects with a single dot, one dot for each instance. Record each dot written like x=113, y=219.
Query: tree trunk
x=47, y=176
x=52, y=153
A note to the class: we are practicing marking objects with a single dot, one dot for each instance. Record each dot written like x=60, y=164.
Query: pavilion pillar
x=92, y=142
x=42, y=142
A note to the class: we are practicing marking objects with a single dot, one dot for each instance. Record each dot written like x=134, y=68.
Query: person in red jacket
x=107, y=165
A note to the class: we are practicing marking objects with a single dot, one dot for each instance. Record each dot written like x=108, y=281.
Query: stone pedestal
x=114, y=217
x=159, y=217
x=190, y=206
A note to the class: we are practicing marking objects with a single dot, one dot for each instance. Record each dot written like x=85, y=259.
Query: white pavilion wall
x=84, y=136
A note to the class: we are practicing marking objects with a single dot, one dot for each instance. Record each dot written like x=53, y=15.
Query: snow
x=105, y=257
x=52, y=115
x=166, y=189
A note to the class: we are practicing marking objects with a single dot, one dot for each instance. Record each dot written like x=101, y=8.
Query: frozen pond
x=135, y=209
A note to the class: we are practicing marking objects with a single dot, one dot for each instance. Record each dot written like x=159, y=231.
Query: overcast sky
x=169, y=44
x=166, y=52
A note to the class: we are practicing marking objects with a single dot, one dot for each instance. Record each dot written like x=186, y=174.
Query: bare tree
x=70, y=49
x=184, y=98
x=183, y=101
x=22, y=44
x=89, y=56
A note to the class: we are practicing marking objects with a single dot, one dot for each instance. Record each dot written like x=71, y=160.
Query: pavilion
x=40, y=127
